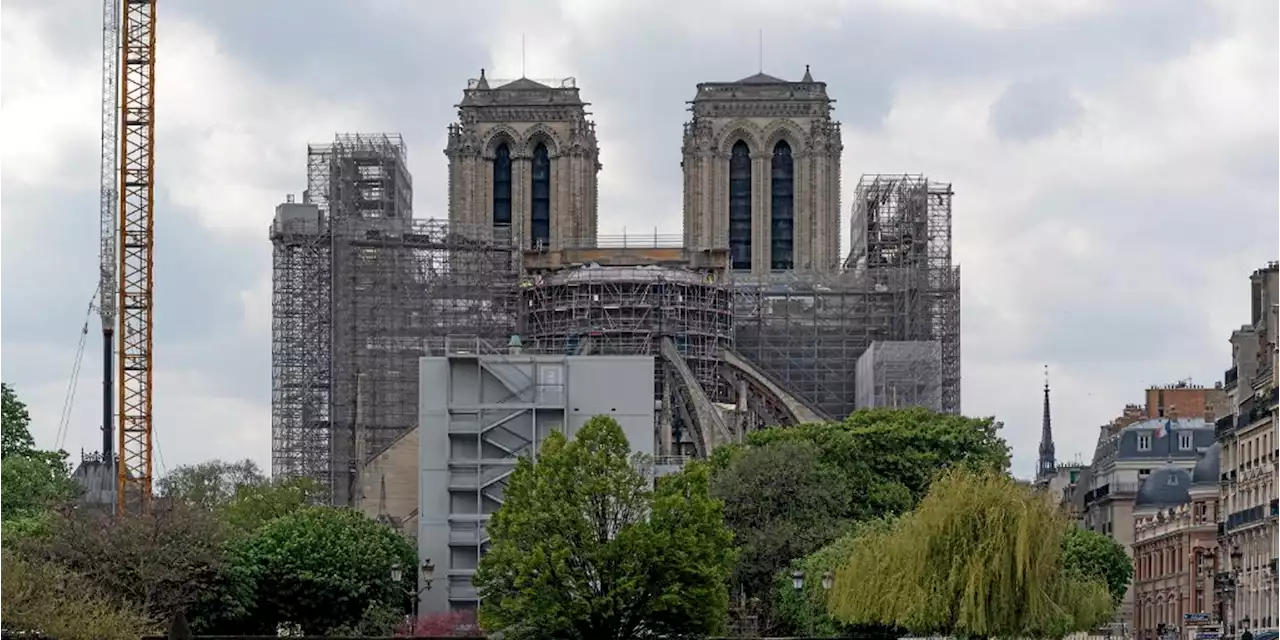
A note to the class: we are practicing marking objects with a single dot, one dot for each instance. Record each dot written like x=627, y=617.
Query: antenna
x=760, y=49
x=522, y=72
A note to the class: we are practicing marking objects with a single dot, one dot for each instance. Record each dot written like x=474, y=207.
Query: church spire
x=1046, y=464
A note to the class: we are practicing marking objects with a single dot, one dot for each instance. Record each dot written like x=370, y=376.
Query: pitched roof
x=762, y=78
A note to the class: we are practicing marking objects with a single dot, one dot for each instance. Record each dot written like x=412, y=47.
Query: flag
x=1164, y=429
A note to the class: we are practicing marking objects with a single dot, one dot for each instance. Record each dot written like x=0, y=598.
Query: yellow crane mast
x=137, y=261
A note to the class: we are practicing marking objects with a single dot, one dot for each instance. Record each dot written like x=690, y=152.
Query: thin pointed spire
x=483, y=83
x=1047, y=462
x=807, y=76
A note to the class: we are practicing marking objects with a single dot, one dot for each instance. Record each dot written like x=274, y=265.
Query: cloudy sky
x=1115, y=167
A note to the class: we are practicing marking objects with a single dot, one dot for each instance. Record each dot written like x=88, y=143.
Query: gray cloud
x=1033, y=108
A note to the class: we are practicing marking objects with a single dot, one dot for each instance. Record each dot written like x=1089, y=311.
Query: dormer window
x=1144, y=442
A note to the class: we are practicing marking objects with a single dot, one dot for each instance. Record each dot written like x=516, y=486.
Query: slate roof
x=1166, y=487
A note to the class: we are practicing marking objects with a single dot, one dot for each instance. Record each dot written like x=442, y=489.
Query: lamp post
x=1236, y=558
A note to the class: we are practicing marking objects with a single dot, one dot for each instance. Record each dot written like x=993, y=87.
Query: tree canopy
x=583, y=548
x=980, y=557
x=324, y=568
x=782, y=501
x=210, y=484
x=34, y=480
x=1092, y=555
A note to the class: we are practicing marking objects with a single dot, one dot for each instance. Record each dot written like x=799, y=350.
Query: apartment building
x=1250, y=455
x=1175, y=550
x=1123, y=459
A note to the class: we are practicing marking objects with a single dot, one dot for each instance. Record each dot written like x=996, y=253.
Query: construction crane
x=107, y=211
x=136, y=254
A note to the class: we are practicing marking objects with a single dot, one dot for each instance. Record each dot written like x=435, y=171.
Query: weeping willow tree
x=979, y=558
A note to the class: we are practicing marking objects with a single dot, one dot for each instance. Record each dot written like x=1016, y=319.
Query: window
x=1185, y=441
x=1144, y=442
x=782, y=208
x=740, y=206
x=540, y=218
x=502, y=186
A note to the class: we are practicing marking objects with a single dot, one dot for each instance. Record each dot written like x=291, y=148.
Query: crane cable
x=68, y=400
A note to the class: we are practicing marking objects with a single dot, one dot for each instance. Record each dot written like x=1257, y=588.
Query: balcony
x=1231, y=377
x=1245, y=517
x=1224, y=426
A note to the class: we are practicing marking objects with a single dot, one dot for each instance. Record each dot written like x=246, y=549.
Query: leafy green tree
x=210, y=484
x=323, y=568
x=805, y=611
x=253, y=505
x=34, y=483
x=892, y=455
x=1090, y=554
x=15, y=424
x=781, y=501
x=582, y=548
x=980, y=557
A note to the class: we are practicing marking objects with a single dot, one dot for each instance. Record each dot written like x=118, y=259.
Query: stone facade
x=524, y=114
x=761, y=111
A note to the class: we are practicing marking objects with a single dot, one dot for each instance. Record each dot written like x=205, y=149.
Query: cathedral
x=760, y=156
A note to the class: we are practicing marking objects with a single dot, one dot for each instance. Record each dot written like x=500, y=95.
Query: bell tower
x=523, y=160
x=761, y=161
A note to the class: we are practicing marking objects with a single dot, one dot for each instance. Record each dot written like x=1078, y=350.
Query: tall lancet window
x=540, y=220
x=782, y=209
x=740, y=206
x=502, y=186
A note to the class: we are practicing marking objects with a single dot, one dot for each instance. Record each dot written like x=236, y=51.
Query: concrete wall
x=478, y=415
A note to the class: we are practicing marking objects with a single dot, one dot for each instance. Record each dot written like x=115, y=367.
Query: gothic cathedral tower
x=523, y=159
x=762, y=174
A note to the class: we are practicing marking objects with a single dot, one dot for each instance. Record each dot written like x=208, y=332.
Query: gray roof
x=1208, y=468
x=1166, y=487
x=762, y=78
x=1124, y=446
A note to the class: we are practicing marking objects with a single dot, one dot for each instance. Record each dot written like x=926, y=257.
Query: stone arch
x=736, y=130
x=544, y=134
x=784, y=129
x=497, y=135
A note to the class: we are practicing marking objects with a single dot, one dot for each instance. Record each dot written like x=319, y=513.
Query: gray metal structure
x=481, y=408
x=360, y=291
x=900, y=375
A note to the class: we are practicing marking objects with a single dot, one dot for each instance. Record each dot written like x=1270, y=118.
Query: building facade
x=1250, y=455
x=761, y=161
x=481, y=410
x=1175, y=550
x=523, y=159
x=1124, y=459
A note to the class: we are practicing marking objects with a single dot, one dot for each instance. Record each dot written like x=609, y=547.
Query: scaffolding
x=630, y=310
x=900, y=375
x=361, y=291
x=898, y=284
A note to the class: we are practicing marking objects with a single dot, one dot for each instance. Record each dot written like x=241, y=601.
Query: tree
x=806, y=610
x=583, y=548
x=41, y=596
x=980, y=557
x=1092, y=555
x=892, y=455
x=210, y=484
x=323, y=568
x=168, y=561
x=781, y=501
x=34, y=483
x=15, y=424
x=253, y=505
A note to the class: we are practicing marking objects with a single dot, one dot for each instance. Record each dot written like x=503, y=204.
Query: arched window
x=740, y=206
x=782, y=209
x=502, y=186
x=540, y=220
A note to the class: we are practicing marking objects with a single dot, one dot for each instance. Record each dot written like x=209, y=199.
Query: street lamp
x=828, y=580
x=428, y=573
x=396, y=573
x=797, y=580
x=1236, y=557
